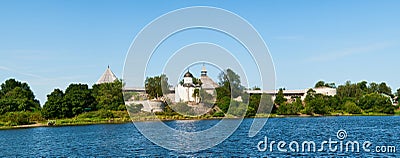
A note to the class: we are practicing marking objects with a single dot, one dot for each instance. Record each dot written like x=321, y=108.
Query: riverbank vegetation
x=350, y=99
x=78, y=105
x=104, y=103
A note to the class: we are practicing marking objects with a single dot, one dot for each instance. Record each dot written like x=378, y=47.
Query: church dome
x=188, y=74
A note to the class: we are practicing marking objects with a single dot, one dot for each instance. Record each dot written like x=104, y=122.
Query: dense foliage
x=352, y=98
x=291, y=108
x=109, y=96
x=280, y=98
x=230, y=84
x=155, y=86
x=19, y=106
x=229, y=92
x=320, y=84
x=78, y=98
x=54, y=106
x=17, y=96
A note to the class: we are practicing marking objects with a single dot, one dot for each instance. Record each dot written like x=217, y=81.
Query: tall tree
x=349, y=90
x=319, y=84
x=318, y=104
x=373, y=87
x=17, y=96
x=375, y=102
x=196, y=94
x=290, y=108
x=363, y=85
x=54, y=106
x=155, y=86
x=280, y=98
x=398, y=94
x=78, y=98
x=385, y=89
x=230, y=81
x=109, y=95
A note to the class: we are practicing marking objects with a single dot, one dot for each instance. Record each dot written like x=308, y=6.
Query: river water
x=379, y=135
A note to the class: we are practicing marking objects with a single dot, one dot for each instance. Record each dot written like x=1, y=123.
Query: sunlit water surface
x=125, y=140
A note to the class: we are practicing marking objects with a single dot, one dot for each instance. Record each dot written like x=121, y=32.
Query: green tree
x=108, y=95
x=238, y=108
x=77, y=99
x=317, y=103
x=206, y=97
x=398, y=95
x=254, y=101
x=134, y=108
x=330, y=85
x=350, y=90
x=17, y=118
x=196, y=94
x=17, y=96
x=290, y=108
x=182, y=108
x=280, y=98
x=261, y=103
x=266, y=105
x=230, y=82
x=10, y=84
x=385, y=89
x=53, y=108
x=319, y=84
x=229, y=87
x=373, y=88
x=155, y=86
x=352, y=108
x=375, y=102
x=363, y=86
x=224, y=103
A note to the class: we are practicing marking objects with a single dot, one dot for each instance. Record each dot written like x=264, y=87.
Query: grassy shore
x=117, y=117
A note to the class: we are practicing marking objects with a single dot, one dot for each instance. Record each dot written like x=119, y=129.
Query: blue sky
x=50, y=44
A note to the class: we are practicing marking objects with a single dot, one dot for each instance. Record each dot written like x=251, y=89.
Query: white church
x=184, y=92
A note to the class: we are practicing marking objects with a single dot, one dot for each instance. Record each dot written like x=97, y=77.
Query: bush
x=36, y=116
x=97, y=114
x=377, y=103
x=134, y=108
x=219, y=114
x=105, y=114
x=352, y=108
x=17, y=118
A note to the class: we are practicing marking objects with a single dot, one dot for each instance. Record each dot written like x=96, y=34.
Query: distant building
x=107, y=77
x=207, y=83
x=301, y=93
x=184, y=92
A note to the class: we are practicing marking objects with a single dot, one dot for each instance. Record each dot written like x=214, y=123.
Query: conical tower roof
x=207, y=82
x=107, y=77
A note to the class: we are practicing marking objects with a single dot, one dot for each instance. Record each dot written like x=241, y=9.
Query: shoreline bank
x=84, y=122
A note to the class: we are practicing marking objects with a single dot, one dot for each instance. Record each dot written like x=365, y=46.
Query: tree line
x=17, y=100
x=18, y=103
x=351, y=98
x=78, y=98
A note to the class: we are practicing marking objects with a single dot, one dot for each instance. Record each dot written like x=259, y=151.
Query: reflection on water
x=125, y=140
